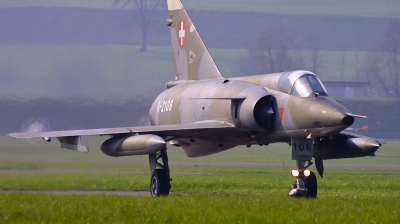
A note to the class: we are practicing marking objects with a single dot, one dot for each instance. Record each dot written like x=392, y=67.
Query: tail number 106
x=302, y=146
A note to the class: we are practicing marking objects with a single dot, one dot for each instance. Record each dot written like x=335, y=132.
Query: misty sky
x=90, y=49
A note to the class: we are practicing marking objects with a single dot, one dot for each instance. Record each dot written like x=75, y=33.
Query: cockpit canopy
x=302, y=84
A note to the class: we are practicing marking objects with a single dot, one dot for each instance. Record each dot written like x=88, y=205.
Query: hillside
x=55, y=25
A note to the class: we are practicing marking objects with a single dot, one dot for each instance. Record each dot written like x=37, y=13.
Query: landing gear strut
x=306, y=183
x=160, y=177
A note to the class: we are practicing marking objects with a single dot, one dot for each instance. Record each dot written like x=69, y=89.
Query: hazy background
x=77, y=64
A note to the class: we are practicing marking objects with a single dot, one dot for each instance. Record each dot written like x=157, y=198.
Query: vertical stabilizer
x=191, y=57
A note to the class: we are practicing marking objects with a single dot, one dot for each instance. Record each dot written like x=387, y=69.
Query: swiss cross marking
x=182, y=33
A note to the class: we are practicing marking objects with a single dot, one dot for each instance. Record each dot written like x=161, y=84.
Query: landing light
x=295, y=173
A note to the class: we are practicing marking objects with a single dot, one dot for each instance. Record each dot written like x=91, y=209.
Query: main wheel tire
x=311, y=185
x=159, y=184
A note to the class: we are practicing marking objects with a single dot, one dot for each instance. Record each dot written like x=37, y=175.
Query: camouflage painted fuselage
x=234, y=101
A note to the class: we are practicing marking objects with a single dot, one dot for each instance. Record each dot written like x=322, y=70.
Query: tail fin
x=191, y=57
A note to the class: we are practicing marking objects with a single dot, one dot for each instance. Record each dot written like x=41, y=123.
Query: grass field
x=367, y=8
x=231, y=197
x=200, y=194
x=268, y=208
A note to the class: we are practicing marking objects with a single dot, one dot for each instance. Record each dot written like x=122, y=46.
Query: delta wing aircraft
x=205, y=113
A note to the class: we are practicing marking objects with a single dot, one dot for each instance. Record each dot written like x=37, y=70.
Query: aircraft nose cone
x=348, y=120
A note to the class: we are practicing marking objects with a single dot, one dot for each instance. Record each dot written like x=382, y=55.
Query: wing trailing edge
x=220, y=98
x=165, y=130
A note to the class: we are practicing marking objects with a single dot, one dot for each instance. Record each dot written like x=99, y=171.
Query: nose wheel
x=306, y=183
x=311, y=185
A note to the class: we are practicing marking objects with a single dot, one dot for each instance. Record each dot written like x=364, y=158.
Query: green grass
x=232, y=197
x=188, y=180
x=200, y=194
x=193, y=209
x=366, y=8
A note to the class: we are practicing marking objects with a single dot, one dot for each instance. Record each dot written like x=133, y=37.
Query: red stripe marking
x=281, y=110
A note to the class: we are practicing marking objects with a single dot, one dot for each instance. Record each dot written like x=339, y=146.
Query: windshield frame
x=316, y=86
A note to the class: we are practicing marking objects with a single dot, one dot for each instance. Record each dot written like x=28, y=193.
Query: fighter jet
x=204, y=113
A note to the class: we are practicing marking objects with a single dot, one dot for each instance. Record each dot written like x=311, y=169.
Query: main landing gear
x=160, y=183
x=306, y=182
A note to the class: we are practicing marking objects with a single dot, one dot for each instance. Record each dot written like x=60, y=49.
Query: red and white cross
x=182, y=33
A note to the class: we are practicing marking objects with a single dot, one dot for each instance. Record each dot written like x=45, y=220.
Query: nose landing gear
x=306, y=183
